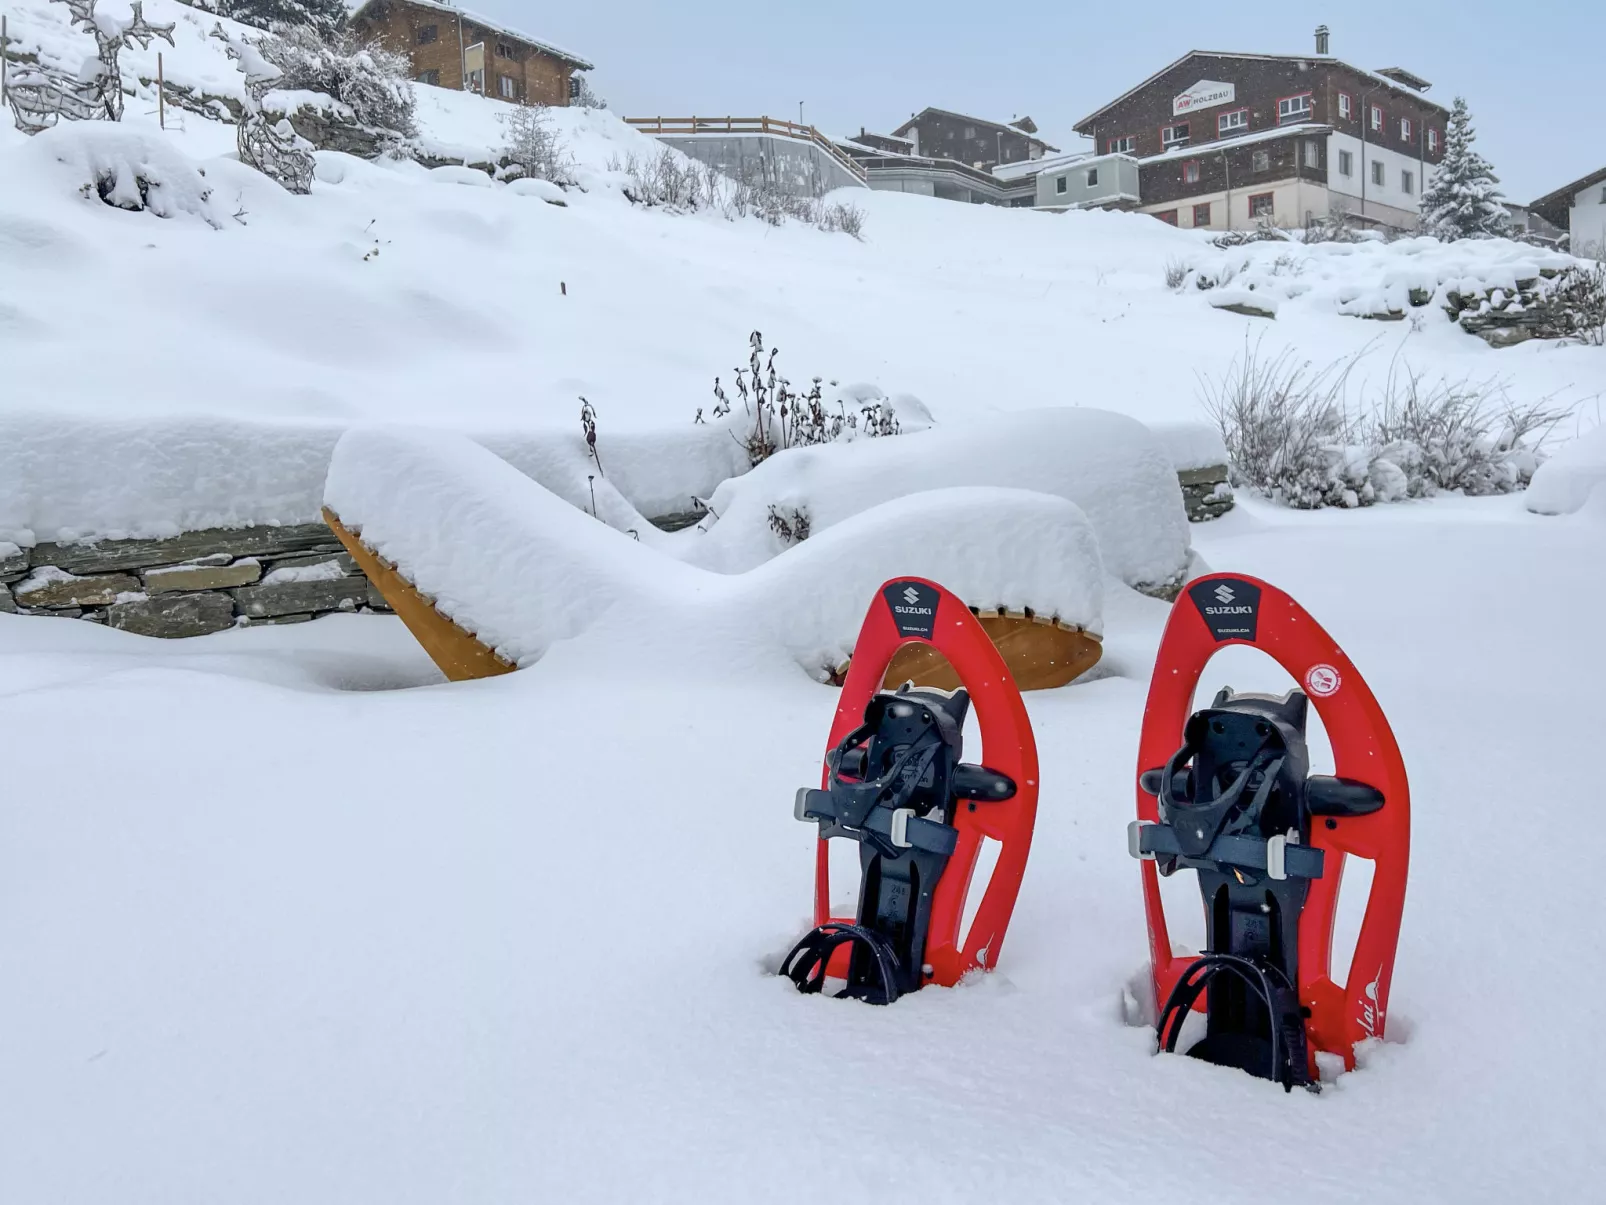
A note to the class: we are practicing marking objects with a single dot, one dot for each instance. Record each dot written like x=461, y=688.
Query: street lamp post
x=799, y=112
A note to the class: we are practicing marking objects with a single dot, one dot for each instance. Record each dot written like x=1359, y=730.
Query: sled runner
x=894, y=783
x=1227, y=792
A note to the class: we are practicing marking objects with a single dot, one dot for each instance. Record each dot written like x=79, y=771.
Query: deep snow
x=511, y=939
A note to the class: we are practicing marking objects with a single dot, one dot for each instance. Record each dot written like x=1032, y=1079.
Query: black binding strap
x=1287, y=1059
x=806, y=964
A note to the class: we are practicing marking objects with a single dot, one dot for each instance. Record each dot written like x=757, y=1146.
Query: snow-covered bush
x=1293, y=435
x=134, y=168
x=1578, y=295
x=326, y=17
x=271, y=146
x=533, y=149
x=40, y=96
x=369, y=80
x=584, y=97
x=840, y=216
x=672, y=181
x=776, y=418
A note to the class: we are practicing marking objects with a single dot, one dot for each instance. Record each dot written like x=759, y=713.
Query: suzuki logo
x=911, y=595
x=1224, y=593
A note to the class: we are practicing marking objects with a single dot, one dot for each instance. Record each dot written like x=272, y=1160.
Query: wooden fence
x=773, y=126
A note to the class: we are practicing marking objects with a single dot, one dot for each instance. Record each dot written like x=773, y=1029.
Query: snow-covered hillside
x=399, y=293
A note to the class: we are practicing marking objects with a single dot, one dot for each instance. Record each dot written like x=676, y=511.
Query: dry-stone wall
x=190, y=585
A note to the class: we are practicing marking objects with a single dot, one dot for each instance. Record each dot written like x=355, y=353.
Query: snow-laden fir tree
x=1464, y=200
x=325, y=16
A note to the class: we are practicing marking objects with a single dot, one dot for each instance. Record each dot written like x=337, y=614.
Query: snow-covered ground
x=273, y=931
x=286, y=918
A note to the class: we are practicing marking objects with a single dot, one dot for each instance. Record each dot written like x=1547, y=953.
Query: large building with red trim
x=1225, y=140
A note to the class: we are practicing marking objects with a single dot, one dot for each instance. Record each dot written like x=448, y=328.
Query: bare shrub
x=1176, y=273
x=665, y=179
x=1579, y=296
x=1292, y=435
x=532, y=148
x=843, y=217
x=781, y=418
x=1285, y=425
x=791, y=525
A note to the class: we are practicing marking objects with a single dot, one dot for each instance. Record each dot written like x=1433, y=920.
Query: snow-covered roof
x=1383, y=80
x=981, y=121
x=1196, y=149
x=490, y=23
x=1031, y=167
x=1566, y=191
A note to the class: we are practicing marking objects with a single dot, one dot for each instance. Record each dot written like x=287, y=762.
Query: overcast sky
x=1532, y=70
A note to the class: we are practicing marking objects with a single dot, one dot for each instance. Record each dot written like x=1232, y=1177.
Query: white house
x=1580, y=209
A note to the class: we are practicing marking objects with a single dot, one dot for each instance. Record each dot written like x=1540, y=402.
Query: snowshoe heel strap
x=874, y=973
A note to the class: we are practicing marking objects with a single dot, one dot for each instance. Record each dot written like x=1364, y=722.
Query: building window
x=1313, y=156
x=1190, y=172
x=1433, y=141
x=1293, y=108
x=504, y=51
x=1169, y=217
x=970, y=131
x=1343, y=104
x=1407, y=183
x=1122, y=146
x=1229, y=123
x=432, y=78
x=507, y=87
x=1405, y=129
x=1201, y=214
x=1060, y=185
x=428, y=33
x=1260, y=161
x=1377, y=173
x=1171, y=136
x=1377, y=117
x=1260, y=205
x=1092, y=177
x=1346, y=163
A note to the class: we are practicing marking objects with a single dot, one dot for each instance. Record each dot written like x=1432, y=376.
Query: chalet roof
x=1019, y=170
x=1081, y=126
x=1556, y=207
x=490, y=23
x=1562, y=197
x=1409, y=78
x=1005, y=127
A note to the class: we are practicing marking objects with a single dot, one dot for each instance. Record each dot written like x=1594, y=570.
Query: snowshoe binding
x=895, y=783
x=1227, y=792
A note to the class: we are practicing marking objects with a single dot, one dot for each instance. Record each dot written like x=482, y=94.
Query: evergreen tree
x=324, y=16
x=1464, y=200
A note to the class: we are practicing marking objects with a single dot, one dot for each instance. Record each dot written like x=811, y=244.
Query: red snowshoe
x=1227, y=792
x=894, y=783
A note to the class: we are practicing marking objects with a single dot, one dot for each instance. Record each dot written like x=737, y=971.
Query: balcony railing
x=773, y=126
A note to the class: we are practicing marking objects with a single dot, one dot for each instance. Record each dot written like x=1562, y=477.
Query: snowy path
x=264, y=938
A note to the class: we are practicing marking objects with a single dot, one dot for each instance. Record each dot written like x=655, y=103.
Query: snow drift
x=1564, y=483
x=522, y=570
x=1109, y=465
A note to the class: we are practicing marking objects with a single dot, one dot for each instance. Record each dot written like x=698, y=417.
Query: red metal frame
x=1109, y=144
x=1309, y=109
x=1220, y=129
x=1007, y=746
x=1204, y=205
x=1364, y=749
x=1262, y=196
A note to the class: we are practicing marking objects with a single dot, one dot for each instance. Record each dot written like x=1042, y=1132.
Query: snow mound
x=129, y=167
x=521, y=569
x=1109, y=465
x=1367, y=278
x=1564, y=483
x=1190, y=445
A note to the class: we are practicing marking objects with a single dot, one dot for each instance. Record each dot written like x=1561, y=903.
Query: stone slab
x=170, y=616
x=107, y=555
x=8, y=605
x=202, y=577
x=97, y=590
x=287, y=598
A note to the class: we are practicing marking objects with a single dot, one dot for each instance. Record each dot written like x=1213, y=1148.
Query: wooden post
x=161, y=90
x=5, y=41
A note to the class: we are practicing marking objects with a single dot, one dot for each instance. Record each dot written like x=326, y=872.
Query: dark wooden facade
x=518, y=69
x=974, y=141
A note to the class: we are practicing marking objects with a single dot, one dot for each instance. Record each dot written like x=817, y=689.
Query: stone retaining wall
x=190, y=585
x=206, y=581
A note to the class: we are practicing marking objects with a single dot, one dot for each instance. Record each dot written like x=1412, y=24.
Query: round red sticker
x=1323, y=680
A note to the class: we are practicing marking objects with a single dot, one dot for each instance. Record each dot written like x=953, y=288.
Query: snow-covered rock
x=1564, y=483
